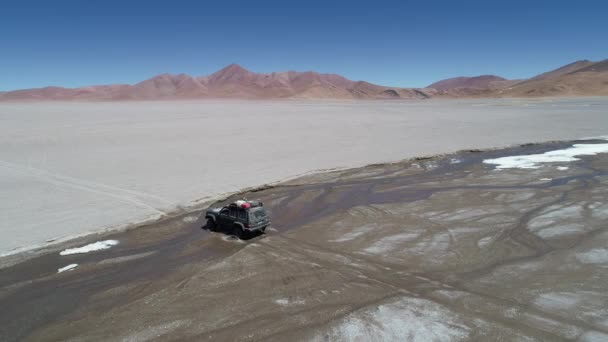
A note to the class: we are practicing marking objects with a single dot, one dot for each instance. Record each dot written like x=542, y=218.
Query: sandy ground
x=446, y=248
x=71, y=168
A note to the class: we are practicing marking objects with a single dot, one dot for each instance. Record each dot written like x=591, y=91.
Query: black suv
x=239, y=218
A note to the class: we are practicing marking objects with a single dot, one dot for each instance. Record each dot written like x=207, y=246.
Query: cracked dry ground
x=445, y=248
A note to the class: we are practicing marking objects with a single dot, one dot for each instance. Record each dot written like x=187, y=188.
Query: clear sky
x=396, y=43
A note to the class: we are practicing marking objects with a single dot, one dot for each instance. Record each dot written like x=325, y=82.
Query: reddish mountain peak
x=233, y=67
x=165, y=75
x=232, y=72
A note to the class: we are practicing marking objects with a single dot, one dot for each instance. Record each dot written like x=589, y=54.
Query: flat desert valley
x=71, y=168
x=423, y=219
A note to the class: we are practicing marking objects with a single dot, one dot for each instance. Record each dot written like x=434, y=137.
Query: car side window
x=242, y=214
x=233, y=212
x=224, y=212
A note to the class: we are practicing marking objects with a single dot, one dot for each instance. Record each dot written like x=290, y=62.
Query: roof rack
x=247, y=204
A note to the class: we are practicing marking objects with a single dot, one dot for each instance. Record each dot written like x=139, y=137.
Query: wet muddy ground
x=442, y=248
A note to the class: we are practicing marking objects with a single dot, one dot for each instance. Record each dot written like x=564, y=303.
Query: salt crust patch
x=563, y=230
x=355, y=233
x=594, y=256
x=409, y=319
x=190, y=219
x=533, y=161
x=481, y=243
x=155, y=332
x=462, y=214
x=583, y=305
x=287, y=302
x=452, y=294
x=67, y=268
x=553, y=221
x=566, y=331
x=594, y=336
x=600, y=211
x=555, y=214
x=125, y=258
x=557, y=300
x=436, y=243
x=389, y=243
x=96, y=246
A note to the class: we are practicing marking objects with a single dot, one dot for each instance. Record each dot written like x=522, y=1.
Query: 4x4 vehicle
x=239, y=218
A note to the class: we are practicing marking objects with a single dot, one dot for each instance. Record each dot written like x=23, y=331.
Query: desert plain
x=390, y=220
x=68, y=169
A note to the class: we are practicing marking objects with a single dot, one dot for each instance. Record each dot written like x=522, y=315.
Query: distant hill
x=232, y=81
x=581, y=78
x=562, y=70
x=477, y=82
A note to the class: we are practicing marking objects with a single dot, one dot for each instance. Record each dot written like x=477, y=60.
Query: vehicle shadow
x=211, y=227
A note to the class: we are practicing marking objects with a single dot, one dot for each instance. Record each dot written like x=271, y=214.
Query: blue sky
x=397, y=43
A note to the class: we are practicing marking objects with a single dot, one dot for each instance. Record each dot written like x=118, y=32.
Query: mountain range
x=581, y=78
x=232, y=81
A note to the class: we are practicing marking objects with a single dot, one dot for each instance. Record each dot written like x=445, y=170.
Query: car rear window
x=258, y=213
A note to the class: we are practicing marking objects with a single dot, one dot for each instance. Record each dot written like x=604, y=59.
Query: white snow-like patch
x=599, y=210
x=562, y=168
x=534, y=161
x=232, y=238
x=410, y=319
x=545, y=179
x=557, y=300
x=157, y=332
x=287, y=302
x=189, y=219
x=455, y=161
x=559, y=231
x=465, y=214
x=96, y=246
x=451, y=294
x=355, y=233
x=437, y=243
x=594, y=256
x=594, y=336
x=556, y=214
x=390, y=242
x=348, y=236
x=67, y=268
x=483, y=242
x=282, y=301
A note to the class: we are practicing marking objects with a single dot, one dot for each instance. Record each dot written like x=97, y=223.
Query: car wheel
x=211, y=224
x=238, y=231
